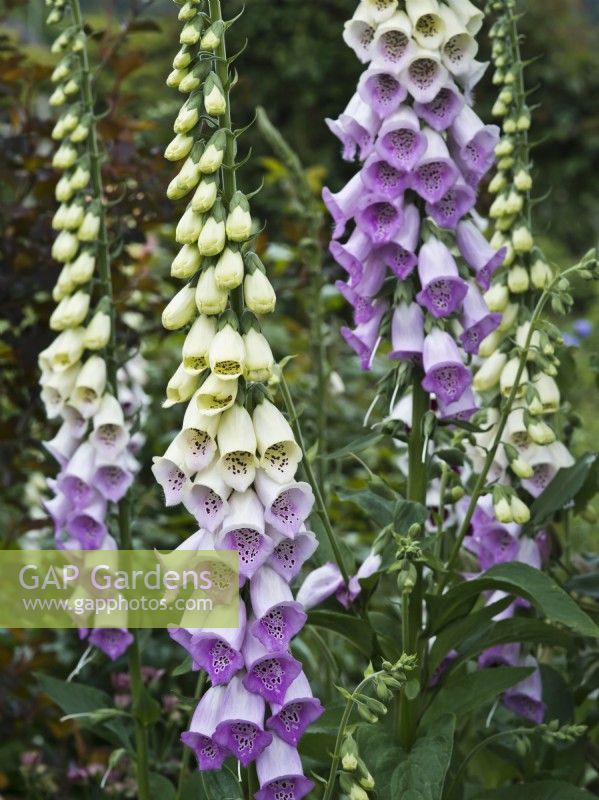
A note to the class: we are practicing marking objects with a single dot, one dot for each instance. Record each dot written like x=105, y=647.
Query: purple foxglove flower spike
x=525, y=698
x=443, y=667
x=320, y=584
x=400, y=141
x=382, y=91
x=462, y=408
x=364, y=338
x=392, y=45
x=268, y=674
x=199, y=737
x=286, y=505
x=343, y=205
x=379, y=219
x=360, y=294
x=358, y=34
x=407, y=333
x=197, y=439
x=478, y=253
x=243, y=530
x=383, y=179
x=454, y=204
x=206, y=498
x=356, y=128
x=278, y=616
x=241, y=727
x=289, y=555
x=75, y=420
x=442, y=288
x=435, y=172
x=218, y=650
x=473, y=143
x=441, y=111
x=299, y=709
x=424, y=75
x=445, y=373
x=111, y=641
x=492, y=544
x=58, y=508
x=76, y=480
x=280, y=773
x=478, y=322
x=110, y=436
x=546, y=461
x=400, y=254
x=352, y=254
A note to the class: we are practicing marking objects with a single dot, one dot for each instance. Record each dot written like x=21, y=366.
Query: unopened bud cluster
x=96, y=443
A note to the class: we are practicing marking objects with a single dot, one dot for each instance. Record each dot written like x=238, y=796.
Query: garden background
x=298, y=69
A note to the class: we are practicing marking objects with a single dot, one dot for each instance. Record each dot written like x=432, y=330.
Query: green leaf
x=587, y=584
x=161, y=787
x=420, y=775
x=380, y=756
x=377, y=508
x=222, y=785
x=562, y=490
x=76, y=698
x=540, y=790
x=407, y=513
x=357, y=446
x=515, y=629
x=184, y=667
x=147, y=710
x=355, y=630
x=469, y=692
x=519, y=580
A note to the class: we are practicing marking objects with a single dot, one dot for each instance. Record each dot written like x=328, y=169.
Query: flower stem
x=406, y=711
x=103, y=257
x=321, y=507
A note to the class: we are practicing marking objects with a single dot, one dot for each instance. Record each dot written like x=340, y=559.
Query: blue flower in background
x=570, y=340
x=583, y=327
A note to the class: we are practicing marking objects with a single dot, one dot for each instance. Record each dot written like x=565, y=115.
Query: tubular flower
x=233, y=464
x=97, y=407
x=406, y=213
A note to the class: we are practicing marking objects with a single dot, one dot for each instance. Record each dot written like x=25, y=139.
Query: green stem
x=349, y=705
x=103, y=257
x=185, y=757
x=406, y=711
x=320, y=504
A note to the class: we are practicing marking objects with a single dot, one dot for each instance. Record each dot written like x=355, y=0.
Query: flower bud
x=520, y=511
x=180, y=310
x=97, y=333
x=489, y=373
x=549, y=396
x=73, y=216
x=65, y=156
x=497, y=297
x=209, y=298
x=186, y=263
x=239, y=220
x=57, y=98
x=504, y=148
x=498, y=183
x=228, y=272
x=541, y=274
x=259, y=360
x=259, y=295
x=508, y=378
x=192, y=31
x=518, y=280
x=187, y=11
x=184, y=182
x=61, y=71
x=58, y=220
x=522, y=240
x=187, y=118
x=521, y=468
x=541, y=433
x=80, y=178
x=70, y=312
x=212, y=37
x=63, y=191
x=212, y=157
x=175, y=78
x=65, y=247
x=522, y=180
x=180, y=388
x=90, y=227
x=349, y=762
x=215, y=102
x=211, y=240
x=197, y=343
x=490, y=344
x=82, y=268
x=179, y=147
x=205, y=195
x=64, y=284
x=182, y=59
x=503, y=510
x=189, y=227
x=80, y=133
